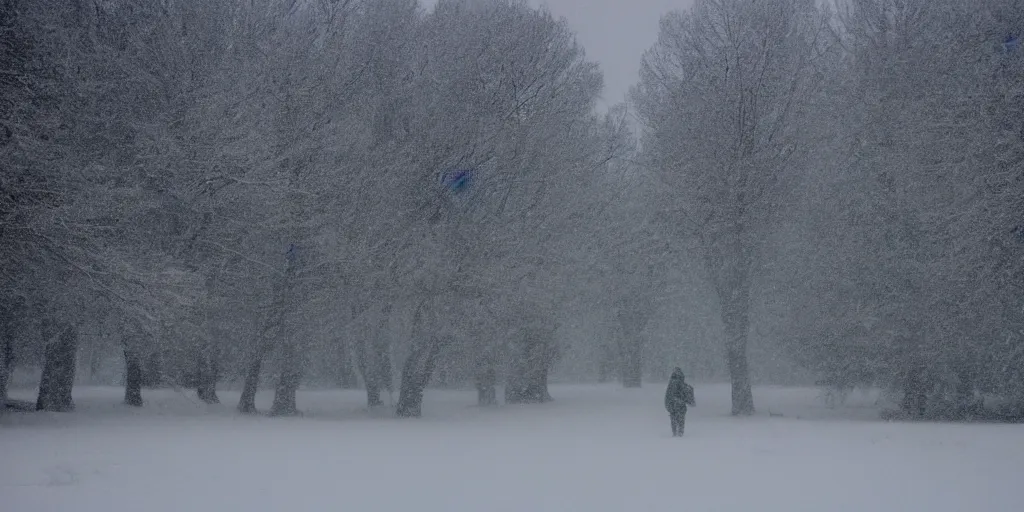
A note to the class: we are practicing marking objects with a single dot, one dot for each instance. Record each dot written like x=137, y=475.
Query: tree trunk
x=486, y=382
x=207, y=376
x=132, y=378
x=632, y=364
x=729, y=264
x=6, y=367
x=486, y=394
x=347, y=376
x=59, y=372
x=517, y=383
x=373, y=396
x=632, y=316
x=530, y=387
x=415, y=376
x=287, y=382
x=968, y=406
x=290, y=367
x=915, y=388
x=207, y=390
x=609, y=361
x=527, y=382
x=375, y=366
x=739, y=374
x=545, y=395
x=95, y=363
x=7, y=333
x=736, y=328
x=915, y=396
x=247, y=402
x=368, y=366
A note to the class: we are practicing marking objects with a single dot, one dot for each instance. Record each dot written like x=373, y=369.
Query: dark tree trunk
x=915, y=396
x=729, y=263
x=373, y=396
x=247, y=402
x=486, y=383
x=288, y=382
x=207, y=391
x=207, y=376
x=59, y=372
x=374, y=362
x=288, y=352
x=486, y=395
x=528, y=379
x=545, y=395
x=375, y=366
x=736, y=327
x=415, y=376
x=6, y=366
x=915, y=388
x=347, y=376
x=517, y=383
x=371, y=378
x=528, y=387
x=632, y=318
x=384, y=371
x=132, y=378
x=95, y=362
x=609, y=362
x=632, y=364
x=968, y=406
x=12, y=315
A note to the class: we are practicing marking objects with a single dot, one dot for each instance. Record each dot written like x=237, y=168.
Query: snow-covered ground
x=596, y=448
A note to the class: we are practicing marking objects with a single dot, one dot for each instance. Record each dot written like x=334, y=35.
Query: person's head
x=677, y=373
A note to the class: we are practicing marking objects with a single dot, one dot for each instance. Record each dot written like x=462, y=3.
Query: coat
x=679, y=394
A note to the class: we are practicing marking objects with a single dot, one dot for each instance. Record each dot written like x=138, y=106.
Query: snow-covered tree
x=722, y=98
x=908, y=254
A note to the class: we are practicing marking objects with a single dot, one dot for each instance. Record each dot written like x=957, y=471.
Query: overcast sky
x=615, y=33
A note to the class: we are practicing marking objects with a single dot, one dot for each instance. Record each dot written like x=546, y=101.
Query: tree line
x=256, y=190
x=372, y=192
x=854, y=175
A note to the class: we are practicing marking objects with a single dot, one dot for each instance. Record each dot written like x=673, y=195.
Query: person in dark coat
x=678, y=396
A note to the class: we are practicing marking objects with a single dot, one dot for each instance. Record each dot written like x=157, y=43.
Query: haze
x=385, y=255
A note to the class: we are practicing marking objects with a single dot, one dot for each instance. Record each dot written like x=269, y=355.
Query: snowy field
x=596, y=448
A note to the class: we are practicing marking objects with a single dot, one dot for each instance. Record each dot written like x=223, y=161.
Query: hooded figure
x=678, y=396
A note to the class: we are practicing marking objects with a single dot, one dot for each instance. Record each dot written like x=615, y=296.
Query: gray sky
x=615, y=33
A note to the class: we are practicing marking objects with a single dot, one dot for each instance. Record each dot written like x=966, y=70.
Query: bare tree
x=903, y=252
x=722, y=98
